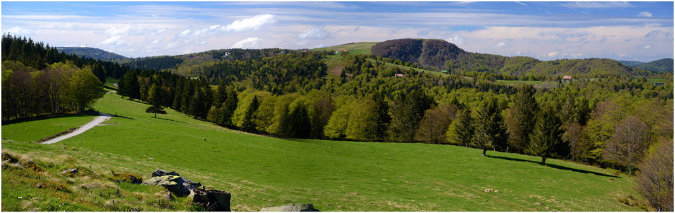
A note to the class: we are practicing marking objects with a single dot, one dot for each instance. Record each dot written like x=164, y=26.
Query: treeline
x=38, y=56
x=157, y=63
x=39, y=80
x=58, y=88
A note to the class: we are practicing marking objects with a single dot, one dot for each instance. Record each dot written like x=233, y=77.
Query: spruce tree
x=464, y=129
x=490, y=131
x=547, y=134
x=155, y=96
x=525, y=108
x=248, y=124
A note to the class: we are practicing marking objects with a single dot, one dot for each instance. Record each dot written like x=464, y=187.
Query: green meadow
x=262, y=171
x=356, y=48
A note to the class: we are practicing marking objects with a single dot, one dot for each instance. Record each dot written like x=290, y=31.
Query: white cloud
x=249, y=43
x=19, y=31
x=184, y=33
x=647, y=46
x=249, y=24
x=552, y=54
x=500, y=45
x=606, y=4
x=112, y=40
x=119, y=30
x=456, y=39
x=645, y=14
x=314, y=33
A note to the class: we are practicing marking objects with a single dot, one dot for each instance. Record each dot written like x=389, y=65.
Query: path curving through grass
x=98, y=120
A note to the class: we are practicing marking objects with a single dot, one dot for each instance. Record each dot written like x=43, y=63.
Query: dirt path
x=98, y=120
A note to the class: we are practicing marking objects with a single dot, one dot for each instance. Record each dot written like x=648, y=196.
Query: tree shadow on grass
x=169, y=120
x=557, y=166
x=121, y=116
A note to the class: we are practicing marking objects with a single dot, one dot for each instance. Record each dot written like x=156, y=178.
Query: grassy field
x=356, y=48
x=408, y=68
x=517, y=82
x=333, y=175
x=38, y=129
x=657, y=80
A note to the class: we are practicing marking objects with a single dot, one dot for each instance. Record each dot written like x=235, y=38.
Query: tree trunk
x=484, y=150
x=543, y=160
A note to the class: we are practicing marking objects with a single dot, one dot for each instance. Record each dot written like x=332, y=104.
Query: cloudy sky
x=641, y=31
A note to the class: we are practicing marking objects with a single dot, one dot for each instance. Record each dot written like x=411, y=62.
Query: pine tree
x=525, y=108
x=155, y=96
x=463, y=131
x=547, y=134
x=490, y=131
x=249, y=125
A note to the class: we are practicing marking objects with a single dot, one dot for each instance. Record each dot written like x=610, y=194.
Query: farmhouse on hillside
x=567, y=78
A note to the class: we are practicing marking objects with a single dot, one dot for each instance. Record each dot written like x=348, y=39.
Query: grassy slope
x=38, y=129
x=335, y=176
x=357, y=48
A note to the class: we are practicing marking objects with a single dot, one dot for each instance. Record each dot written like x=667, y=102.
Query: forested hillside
x=441, y=55
x=89, y=52
x=662, y=65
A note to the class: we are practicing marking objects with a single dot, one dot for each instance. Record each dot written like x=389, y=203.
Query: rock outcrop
x=173, y=182
x=295, y=207
x=212, y=200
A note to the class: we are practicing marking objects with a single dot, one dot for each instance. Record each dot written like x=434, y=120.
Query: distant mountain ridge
x=441, y=55
x=90, y=52
x=661, y=65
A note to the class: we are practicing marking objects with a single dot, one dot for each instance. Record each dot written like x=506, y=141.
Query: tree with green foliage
x=547, y=134
x=155, y=97
x=128, y=85
x=84, y=89
x=461, y=130
x=99, y=71
x=525, y=108
x=362, y=124
x=406, y=113
x=337, y=124
x=490, y=131
x=299, y=124
x=434, y=124
x=248, y=124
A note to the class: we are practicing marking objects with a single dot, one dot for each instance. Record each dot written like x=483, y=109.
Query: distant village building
x=226, y=54
x=567, y=78
x=399, y=75
x=342, y=50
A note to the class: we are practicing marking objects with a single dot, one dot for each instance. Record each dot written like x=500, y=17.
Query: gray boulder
x=294, y=207
x=212, y=200
x=160, y=172
x=177, y=185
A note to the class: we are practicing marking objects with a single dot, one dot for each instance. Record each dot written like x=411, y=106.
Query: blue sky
x=641, y=31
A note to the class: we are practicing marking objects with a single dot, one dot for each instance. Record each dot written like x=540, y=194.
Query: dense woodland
x=440, y=55
x=614, y=121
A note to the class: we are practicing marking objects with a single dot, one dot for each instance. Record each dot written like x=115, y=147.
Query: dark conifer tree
x=547, y=134
x=490, y=131
x=248, y=124
x=525, y=109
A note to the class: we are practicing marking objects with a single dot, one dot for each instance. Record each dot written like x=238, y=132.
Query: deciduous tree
x=628, y=143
